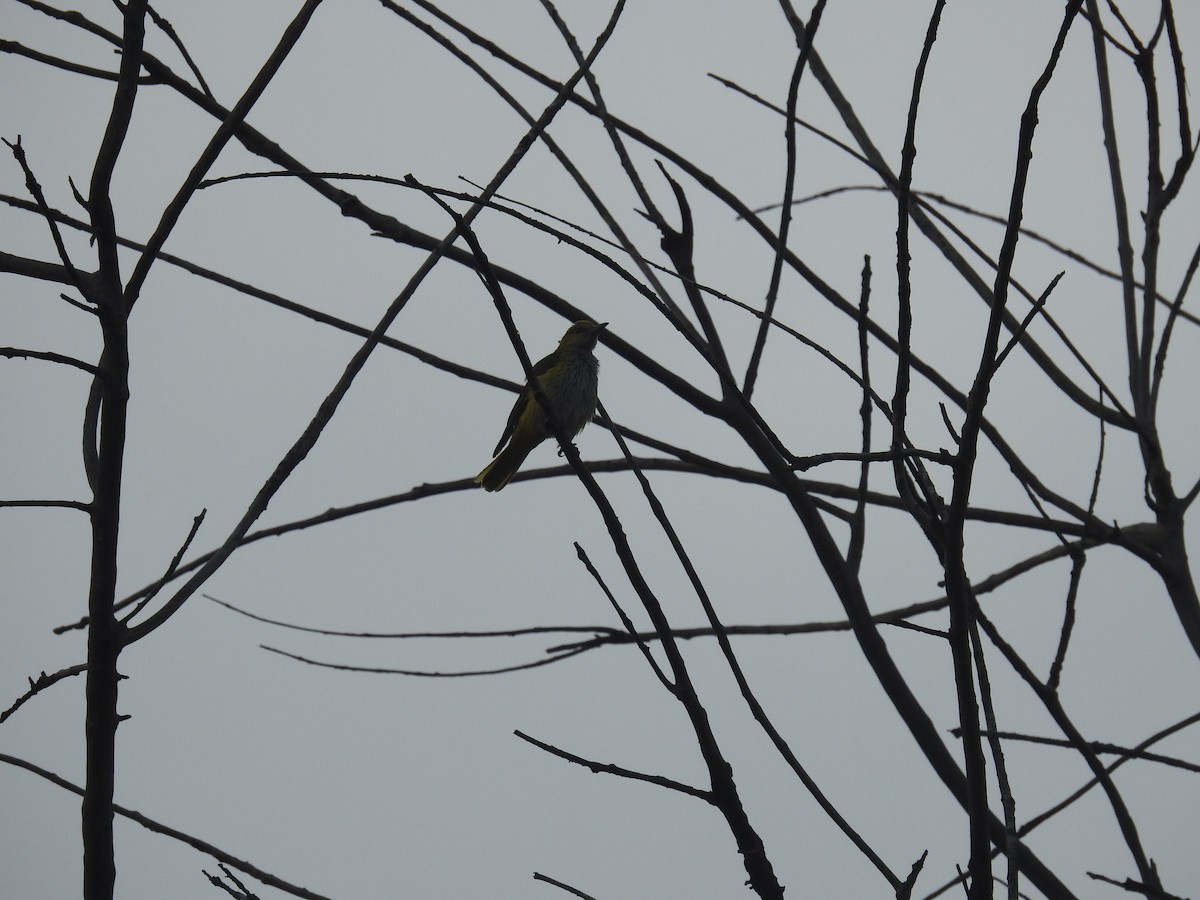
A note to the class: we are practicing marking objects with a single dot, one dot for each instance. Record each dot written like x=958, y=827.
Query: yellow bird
x=568, y=377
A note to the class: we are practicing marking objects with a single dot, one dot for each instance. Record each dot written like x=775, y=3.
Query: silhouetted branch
x=224, y=133
x=611, y=769
x=236, y=889
x=630, y=630
x=167, y=831
x=48, y=356
x=858, y=520
x=1054, y=706
x=328, y=407
x=538, y=876
x=1100, y=748
x=1137, y=887
x=43, y=681
x=35, y=191
x=804, y=40
x=422, y=673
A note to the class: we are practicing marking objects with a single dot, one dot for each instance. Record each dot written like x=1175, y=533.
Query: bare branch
x=423, y=673
x=804, y=40
x=611, y=769
x=208, y=156
x=42, y=682
x=627, y=623
x=167, y=831
x=169, y=30
x=35, y=191
x=316, y=426
x=538, y=876
x=48, y=356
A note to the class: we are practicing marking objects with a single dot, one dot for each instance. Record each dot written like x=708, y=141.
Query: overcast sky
x=362, y=785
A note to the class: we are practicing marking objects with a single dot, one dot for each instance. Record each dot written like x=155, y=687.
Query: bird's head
x=582, y=335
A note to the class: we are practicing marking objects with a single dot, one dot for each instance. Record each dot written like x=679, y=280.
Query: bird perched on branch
x=568, y=378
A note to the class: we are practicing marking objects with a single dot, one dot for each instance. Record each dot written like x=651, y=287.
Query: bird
x=568, y=378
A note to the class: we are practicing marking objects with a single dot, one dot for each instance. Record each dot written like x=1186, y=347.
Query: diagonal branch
x=324, y=414
x=229, y=126
x=173, y=833
x=804, y=41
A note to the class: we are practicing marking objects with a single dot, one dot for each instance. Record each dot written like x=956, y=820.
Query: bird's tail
x=499, y=471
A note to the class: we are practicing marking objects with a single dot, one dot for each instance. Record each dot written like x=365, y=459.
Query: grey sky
x=365, y=786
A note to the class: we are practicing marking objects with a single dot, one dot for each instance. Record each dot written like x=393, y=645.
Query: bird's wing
x=540, y=368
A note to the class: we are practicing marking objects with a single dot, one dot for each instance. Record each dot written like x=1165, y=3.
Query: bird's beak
x=600, y=326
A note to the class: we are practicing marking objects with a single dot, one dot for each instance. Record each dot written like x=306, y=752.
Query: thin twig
x=169, y=30
x=43, y=681
x=1103, y=747
x=611, y=769
x=804, y=42
x=48, y=356
x=35, y=191
x=224, y=133
x=1054, y=706
x=630, y=630
x=174, y=564
x=538, y=876
x=1037, y=307
x=858, y=521
x=423, y=673
x=167, y=831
